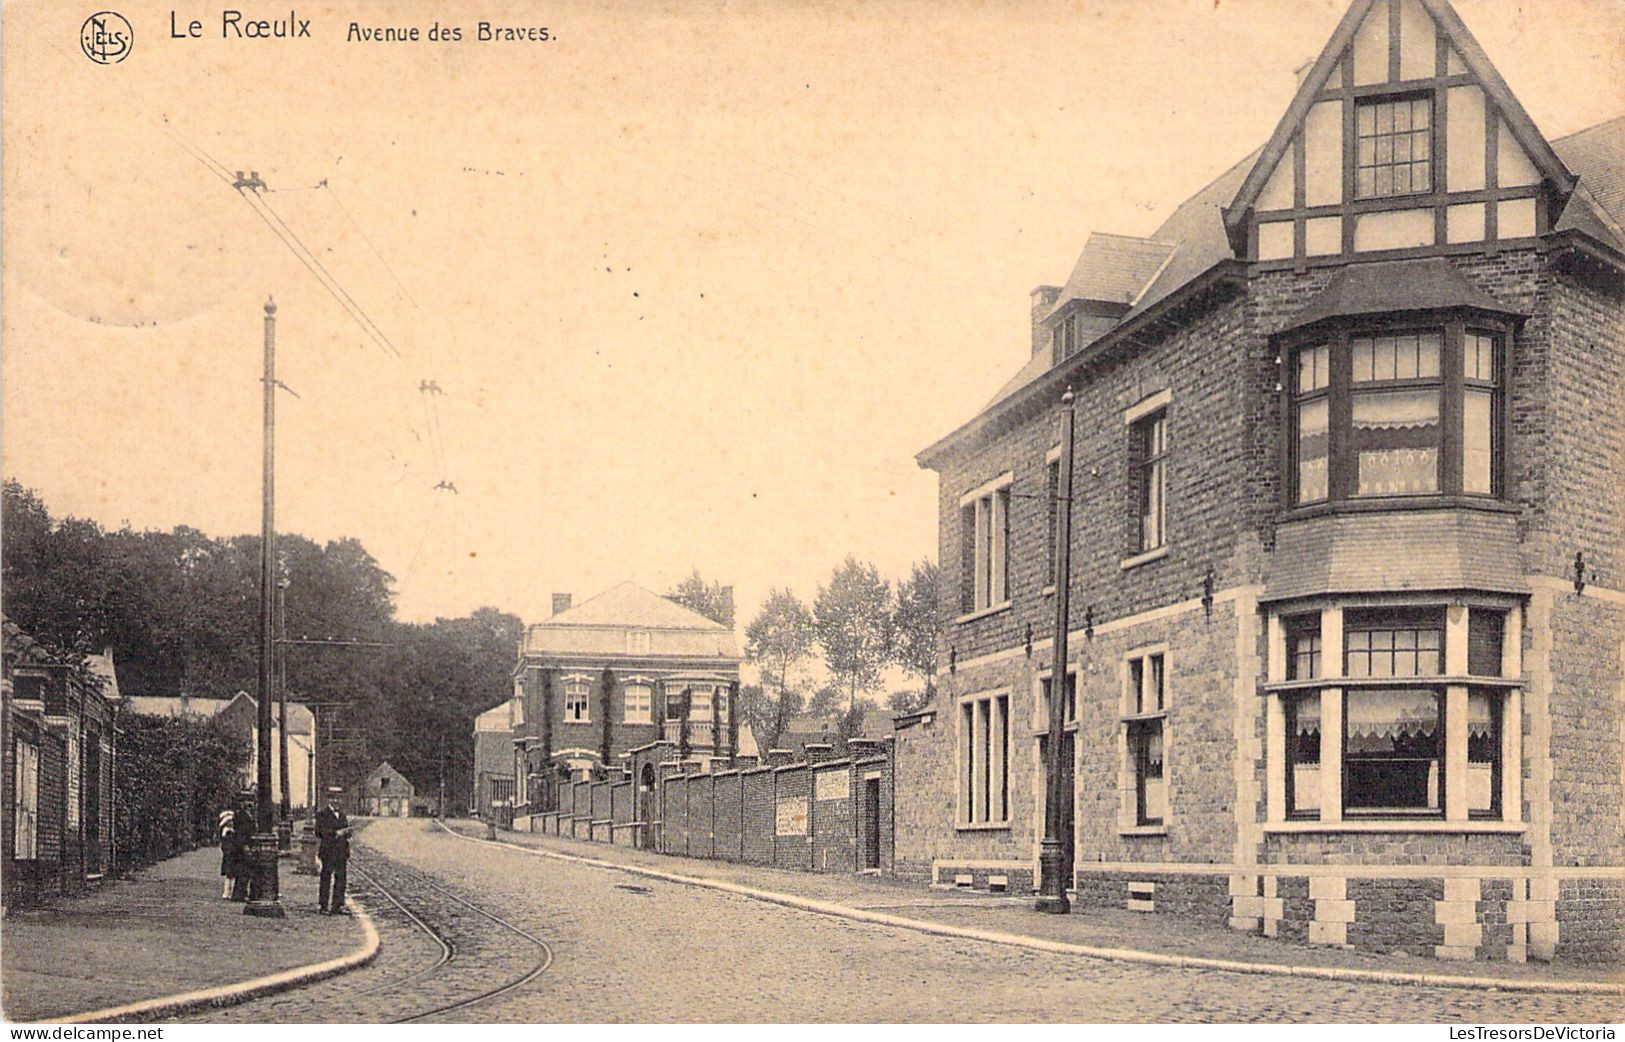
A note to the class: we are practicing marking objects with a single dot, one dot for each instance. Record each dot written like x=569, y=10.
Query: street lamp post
x=264, y=887
x=1051, y=855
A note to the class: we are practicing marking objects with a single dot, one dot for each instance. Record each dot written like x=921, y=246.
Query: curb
x=170, y=1006
x=1130, y=955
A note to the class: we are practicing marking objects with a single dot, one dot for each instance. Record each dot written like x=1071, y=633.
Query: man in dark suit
x=333, y=848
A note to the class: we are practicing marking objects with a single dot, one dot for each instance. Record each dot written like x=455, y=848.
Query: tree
x=713, y=600
x=904, y=702
x=916, y=625
x=825, y=703
x=852, y=617
x=606, y=694
x=778, y=640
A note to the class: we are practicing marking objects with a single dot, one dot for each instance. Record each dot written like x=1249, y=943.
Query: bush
x=174, y=777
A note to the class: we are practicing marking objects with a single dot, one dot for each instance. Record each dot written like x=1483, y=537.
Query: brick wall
x=728, y=813
x=734, y=815
x=758, y=815
x=1587, y=711
x=833, y=820
x=1207, y=465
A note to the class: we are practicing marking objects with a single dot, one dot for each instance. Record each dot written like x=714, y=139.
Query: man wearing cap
x=333, y=847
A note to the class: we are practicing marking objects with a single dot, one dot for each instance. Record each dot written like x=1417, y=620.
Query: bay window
x=1406, y=717
x=1396, y=412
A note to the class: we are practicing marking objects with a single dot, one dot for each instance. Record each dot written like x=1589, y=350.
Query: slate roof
x=1398, y=285
x=1113, y=268
x=497, y=718
x=631, y=605
x=599, y=627
x=1196, y=229
x=300, y=719
x=1597, y=156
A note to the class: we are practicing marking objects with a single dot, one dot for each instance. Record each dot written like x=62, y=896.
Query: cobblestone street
x=627, y=949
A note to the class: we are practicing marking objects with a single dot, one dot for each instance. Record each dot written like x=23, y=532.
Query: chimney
x=728, y=606
x=561, y=603
x=1044, y=298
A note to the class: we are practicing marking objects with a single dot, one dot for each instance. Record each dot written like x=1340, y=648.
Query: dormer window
x=1394, y=146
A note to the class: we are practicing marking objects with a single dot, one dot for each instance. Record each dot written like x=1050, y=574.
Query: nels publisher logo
x=106, y=38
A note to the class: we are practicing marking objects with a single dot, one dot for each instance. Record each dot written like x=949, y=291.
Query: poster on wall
x=792, y=816
x=833, y=785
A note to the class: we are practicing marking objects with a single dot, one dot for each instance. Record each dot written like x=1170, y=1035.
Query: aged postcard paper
x=578, y=512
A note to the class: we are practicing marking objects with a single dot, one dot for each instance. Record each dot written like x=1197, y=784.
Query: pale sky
x=698, y=280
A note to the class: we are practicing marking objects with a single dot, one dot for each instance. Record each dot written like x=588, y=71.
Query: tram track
x=405, y=890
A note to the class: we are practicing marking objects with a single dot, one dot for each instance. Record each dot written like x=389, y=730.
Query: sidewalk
x=161, y=932
x=1163, y=935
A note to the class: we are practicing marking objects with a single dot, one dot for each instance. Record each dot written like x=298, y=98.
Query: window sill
x=1146, y=558
x=1317, y=683
x=1368, y=825
x=986, y=826
x=1143, y=830
x=982, y=613
x=1391, y=504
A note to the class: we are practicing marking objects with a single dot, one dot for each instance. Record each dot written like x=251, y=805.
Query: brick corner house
x=618, y=673
x=1347, y=631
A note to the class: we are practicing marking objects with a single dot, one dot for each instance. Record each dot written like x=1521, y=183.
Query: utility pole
x=1051, y=856
x=264, y=886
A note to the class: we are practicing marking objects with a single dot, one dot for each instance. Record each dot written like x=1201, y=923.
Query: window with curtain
x=1312, y=435
x=1481, y=412
x=1303, y=755
x=1484, y=754
x=1394, y=426
x=1393, y=751
x=1396, y=413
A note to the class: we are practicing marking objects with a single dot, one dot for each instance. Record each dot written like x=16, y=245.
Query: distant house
x=240, y=713
x=387, y=793
x=60, y=749
x=493, y=755
x=671, y=674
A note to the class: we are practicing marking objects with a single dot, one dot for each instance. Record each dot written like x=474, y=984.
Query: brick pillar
x=818, y=752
